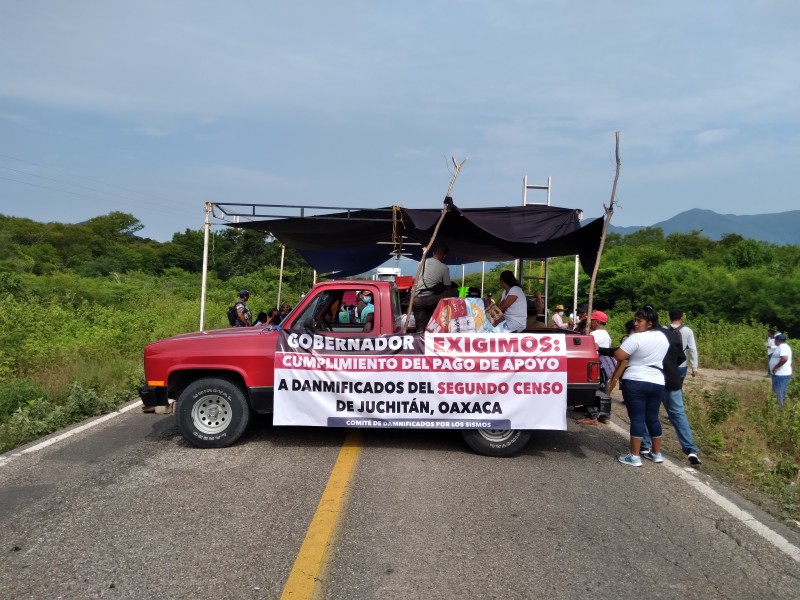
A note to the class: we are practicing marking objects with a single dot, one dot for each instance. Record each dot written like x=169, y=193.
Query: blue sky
x=155, y=107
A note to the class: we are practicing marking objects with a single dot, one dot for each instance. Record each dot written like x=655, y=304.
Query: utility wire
x=83, y=187
x=83, y=177
x=46, y=187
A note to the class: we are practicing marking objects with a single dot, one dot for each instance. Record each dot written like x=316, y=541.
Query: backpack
x=232, y=317
x=674, y=357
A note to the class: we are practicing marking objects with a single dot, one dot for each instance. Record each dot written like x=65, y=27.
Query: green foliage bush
x=16, y=393
x=721, y=405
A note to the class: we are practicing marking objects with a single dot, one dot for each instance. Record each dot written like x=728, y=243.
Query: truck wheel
x=212, y=413
x=496, y=442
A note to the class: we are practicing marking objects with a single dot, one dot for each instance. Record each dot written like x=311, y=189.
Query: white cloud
x=714, y=136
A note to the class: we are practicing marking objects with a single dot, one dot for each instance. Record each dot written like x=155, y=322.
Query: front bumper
x=153, y=396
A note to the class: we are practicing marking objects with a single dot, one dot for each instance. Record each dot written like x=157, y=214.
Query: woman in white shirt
x=513, y=302
x=642, y=383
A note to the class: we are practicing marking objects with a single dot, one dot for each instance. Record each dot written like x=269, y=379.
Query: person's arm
x=506, y=302
x=446, y=276
x=537, y=296
x=241, y=317
x=692, y=350
x=621, y=366
x=781, y=361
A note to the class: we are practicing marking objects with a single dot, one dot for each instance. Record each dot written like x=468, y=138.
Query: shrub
x=17, y=393
x=721, y=405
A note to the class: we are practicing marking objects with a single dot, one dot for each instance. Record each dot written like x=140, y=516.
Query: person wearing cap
x=557, y=321
x=244, y=318
x=578, y=322
x=601, y=410
x=781, y=367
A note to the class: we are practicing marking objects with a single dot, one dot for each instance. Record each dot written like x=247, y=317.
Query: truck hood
x=226, y=334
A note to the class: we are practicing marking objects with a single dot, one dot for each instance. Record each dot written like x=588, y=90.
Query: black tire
x=496, y=442
x=212, y=413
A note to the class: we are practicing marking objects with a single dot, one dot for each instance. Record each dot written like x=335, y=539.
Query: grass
x=750, y=442
x=63, y=393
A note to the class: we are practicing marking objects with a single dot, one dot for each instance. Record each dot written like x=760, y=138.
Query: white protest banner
x=439, y=381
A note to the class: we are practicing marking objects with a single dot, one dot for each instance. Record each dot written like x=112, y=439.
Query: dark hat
x=583, y=308
x=780, y=337
x=244, y=293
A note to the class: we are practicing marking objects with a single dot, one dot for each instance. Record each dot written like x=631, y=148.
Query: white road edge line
x=686, y=474
x=71, y=432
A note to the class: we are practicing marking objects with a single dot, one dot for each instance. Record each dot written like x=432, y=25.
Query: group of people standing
x=651, y=364
x=656, y=361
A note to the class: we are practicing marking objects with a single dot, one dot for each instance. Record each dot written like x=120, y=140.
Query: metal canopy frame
x=236, y=212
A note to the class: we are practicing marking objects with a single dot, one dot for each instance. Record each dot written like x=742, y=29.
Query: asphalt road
x=128, y=509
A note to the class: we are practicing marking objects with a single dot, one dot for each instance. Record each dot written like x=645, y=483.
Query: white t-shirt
x=771, y=345
x=602, y=338
x=647, y=351
x=783, y=350
x=517, y=314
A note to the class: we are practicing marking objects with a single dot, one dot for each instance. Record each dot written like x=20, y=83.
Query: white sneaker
x=630, y=460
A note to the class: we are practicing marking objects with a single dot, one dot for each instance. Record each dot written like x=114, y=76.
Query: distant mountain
x=777, y=228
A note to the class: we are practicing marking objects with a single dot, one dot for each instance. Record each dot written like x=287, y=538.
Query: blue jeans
x=642, y=400
x=673, y=402
x=779, y=383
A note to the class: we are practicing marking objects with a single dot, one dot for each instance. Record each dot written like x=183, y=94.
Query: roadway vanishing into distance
x=127, y=509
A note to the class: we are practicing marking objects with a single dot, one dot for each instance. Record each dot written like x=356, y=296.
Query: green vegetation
x=79, y=302
x=749, y=441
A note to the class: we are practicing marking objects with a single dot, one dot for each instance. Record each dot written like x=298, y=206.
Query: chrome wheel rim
x=497, y=436
x=211, y=414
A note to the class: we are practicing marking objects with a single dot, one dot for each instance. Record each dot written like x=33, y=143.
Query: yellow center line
x=309, y=573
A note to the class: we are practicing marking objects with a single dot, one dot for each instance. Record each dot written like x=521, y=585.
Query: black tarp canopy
x=356, y=241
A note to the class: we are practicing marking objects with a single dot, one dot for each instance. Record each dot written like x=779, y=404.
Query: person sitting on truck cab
x=513, y=302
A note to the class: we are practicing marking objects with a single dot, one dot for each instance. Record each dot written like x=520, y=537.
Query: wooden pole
x=448, y=201
x=609, y=211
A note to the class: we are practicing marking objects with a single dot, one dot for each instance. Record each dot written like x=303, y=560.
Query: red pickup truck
x=319, y=368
